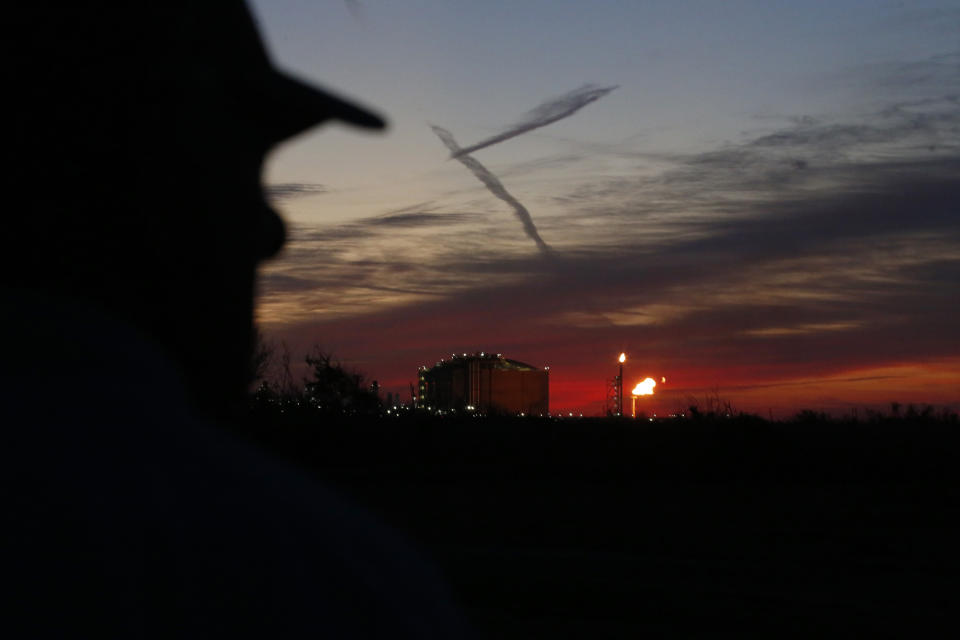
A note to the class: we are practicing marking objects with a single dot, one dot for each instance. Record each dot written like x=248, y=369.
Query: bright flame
x=623, y=358
x=663, y=379
x=644, y=388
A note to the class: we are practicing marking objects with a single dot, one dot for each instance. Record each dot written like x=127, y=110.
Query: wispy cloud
x=416, y=219
x=802, y=329
x=932, y=76
x=290, y=190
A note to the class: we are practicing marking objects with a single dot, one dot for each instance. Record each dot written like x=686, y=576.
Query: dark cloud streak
x=291, y=190
x=415, y=219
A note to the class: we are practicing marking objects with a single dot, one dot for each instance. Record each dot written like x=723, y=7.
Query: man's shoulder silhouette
x=129, y=516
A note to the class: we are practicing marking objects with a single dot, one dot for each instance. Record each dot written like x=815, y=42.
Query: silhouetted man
x=134, y=225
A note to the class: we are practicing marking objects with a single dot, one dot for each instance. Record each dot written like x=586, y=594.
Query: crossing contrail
x=550, y=111
x=493, y=184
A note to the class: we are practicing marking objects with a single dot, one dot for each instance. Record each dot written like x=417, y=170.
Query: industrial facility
x=485, y=383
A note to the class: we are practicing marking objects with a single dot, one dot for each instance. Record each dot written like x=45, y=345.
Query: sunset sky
x=767, y=206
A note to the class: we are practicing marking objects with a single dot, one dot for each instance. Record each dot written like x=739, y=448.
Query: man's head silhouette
x=138, y=135
x=133, y=229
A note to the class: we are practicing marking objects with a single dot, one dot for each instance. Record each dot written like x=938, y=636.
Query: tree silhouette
x=334, y=389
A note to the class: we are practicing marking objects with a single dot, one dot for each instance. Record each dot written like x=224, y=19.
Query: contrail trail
x=355, y=8
x=550, y=111
x=493, y=184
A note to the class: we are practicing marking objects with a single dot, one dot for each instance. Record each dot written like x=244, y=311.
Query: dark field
x=604, y=528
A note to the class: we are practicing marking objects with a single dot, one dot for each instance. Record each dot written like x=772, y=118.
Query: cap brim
x=300, y=106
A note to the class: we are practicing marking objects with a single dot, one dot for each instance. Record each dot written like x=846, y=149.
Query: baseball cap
x=296, y=104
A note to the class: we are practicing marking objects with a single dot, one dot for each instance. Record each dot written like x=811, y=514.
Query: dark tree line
x=330, y=388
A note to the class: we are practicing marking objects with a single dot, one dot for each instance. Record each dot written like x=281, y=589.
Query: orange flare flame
x=644, y=388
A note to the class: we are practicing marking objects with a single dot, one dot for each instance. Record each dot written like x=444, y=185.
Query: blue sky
x=770, y=179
